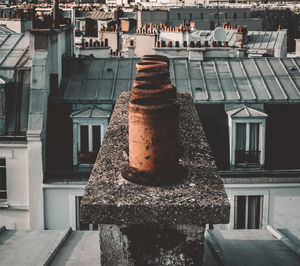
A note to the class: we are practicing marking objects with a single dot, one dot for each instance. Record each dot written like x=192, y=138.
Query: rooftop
x=14, y=50
x=247, y=80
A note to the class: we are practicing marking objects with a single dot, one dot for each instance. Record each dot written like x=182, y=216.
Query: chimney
x=183, y=196
x=153, y=69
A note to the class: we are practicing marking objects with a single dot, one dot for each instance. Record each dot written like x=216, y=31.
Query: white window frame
x=90, y=138
x=74, y=215
x=247, y=210
x=252, y=191
x=262, y=135
x=90, y=134
x=87, y=116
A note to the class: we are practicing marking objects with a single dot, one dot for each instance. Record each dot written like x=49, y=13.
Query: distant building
x=205, y=18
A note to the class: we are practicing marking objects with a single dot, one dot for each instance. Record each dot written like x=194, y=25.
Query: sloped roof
x=90, y=112
x=256, y=39
x=14, y=53
x=98, y=14
x=232, y=80
x=246, y=112
x=13, y=49
x=5, y=29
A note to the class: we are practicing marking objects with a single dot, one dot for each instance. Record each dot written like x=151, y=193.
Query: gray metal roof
x=221, y=80
x=14, y=49
x=98, y=14
x=253, y=247
x=256, y=39
x=4, y=29
x=14, y=56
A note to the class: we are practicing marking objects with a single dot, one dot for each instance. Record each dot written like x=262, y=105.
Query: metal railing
x=247, y=157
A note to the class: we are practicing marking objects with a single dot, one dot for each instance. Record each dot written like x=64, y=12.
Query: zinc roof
x=13, y=49
x=256, y=39
x=220, y=80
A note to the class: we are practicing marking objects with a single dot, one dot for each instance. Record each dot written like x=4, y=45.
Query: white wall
x=59, y=205
x=16, y=215
x=284, y=207
x=144, y=44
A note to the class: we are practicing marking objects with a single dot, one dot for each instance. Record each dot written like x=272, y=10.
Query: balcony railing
x=87, y=157
x=247, y=158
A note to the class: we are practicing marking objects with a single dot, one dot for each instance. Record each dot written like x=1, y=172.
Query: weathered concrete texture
x=198, y=198
x=151, y=245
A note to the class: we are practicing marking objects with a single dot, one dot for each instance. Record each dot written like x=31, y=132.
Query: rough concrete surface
x=197, y=199
x=151, y=245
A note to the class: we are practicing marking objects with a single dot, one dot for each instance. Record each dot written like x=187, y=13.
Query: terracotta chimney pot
x=154, y=138
x=153, y=90
x=151, y=66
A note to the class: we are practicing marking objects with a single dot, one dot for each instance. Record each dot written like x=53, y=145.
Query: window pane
x=3, y=195
x=254, y=212
x=2, y=162
x=2, y=178
x=240, y=215
x=254, y=137
x=240, y=137
x=84, y=139
x=96, y=138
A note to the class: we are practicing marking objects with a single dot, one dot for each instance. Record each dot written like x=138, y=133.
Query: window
x=247, y=148
x=234, y=16
x=89, y=141
x=201, y=16
x=191, y=16
x=178, y=16
x=3, y=188
x=79, y=224
x=247, y=137
x=89, y=125
x=216, y=15
x=225, y=15
x=248, y=212
x=245, y=15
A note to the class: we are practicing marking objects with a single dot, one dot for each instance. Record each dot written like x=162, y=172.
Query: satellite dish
x=219, y=34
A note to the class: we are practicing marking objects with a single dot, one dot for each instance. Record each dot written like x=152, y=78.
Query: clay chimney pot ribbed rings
x=151, y=80
x=151, y=90
x=152, y=66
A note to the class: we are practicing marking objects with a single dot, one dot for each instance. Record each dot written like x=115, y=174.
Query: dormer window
x=247, y=137
x=89, y=126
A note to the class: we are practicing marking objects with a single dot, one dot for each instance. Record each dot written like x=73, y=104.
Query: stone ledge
x=198, y=199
